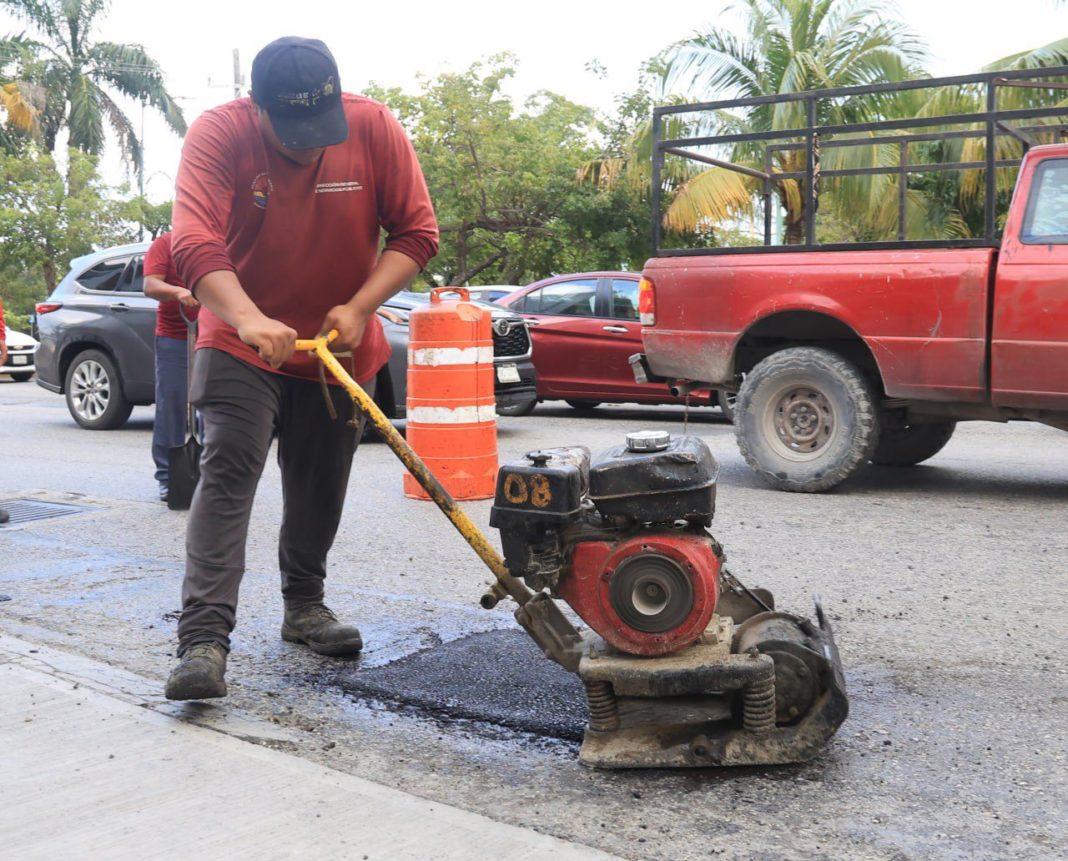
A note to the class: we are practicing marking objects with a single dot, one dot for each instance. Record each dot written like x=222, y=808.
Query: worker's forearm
x=157, y=288
x=222, y=294
x=393, y=272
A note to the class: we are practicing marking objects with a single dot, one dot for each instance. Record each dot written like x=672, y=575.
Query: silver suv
x=97, y=334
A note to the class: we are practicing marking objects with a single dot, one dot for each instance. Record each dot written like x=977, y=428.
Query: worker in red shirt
x=281, y=203
x=176, y=306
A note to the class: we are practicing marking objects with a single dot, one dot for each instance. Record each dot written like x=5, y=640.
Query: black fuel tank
x=674, y=478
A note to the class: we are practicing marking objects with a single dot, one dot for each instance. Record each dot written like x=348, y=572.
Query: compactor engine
x=685, y=665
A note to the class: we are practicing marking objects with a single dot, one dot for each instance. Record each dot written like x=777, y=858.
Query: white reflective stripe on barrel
x=446, y=416
x=433, y=357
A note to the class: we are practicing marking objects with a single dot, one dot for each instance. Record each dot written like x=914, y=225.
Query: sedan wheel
x=94, y=392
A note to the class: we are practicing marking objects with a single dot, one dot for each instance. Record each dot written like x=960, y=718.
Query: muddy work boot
x=199, y=674
x=316, y=626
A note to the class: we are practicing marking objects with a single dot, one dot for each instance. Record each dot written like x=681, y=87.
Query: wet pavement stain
x=497, y=677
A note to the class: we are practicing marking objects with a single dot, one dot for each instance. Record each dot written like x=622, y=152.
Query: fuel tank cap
x=648, y=440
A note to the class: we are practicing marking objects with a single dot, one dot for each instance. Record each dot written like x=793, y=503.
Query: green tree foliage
x=155, y=218
x=47, y=219
x=82, y=80
x=504, y=184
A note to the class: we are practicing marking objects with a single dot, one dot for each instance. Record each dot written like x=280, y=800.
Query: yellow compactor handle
x=506, y=583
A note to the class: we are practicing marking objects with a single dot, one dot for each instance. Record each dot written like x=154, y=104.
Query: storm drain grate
x=27, y=510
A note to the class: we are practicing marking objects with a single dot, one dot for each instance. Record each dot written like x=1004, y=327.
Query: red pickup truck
x=848, y=353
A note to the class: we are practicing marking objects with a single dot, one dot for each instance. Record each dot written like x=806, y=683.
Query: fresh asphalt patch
x=498, y=677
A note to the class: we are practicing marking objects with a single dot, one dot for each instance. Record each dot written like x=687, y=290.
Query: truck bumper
x=704, y=357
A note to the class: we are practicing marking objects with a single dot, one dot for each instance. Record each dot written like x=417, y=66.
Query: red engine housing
x=649, y=594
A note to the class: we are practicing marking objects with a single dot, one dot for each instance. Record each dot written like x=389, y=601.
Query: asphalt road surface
x=947, y=584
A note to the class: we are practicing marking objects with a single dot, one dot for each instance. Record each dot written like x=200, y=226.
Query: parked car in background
x=491, y=292
x=514, y=376
x=585, y=329
x=20, y=356
x=97, y=333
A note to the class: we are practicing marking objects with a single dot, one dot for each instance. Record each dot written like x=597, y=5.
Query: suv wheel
x=23, y=377
x=94, y=392
x=805, y=419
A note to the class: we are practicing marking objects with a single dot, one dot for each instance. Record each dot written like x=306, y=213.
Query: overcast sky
x=390, y=43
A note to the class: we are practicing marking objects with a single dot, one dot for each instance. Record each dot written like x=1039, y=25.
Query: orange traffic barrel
x=452, y=419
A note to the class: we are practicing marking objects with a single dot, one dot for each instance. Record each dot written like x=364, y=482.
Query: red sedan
x=585, y=328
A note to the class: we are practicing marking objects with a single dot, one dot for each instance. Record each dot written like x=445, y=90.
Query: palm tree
x=789, y=46
x=963, y=192
x=83, y=80
x=21, y=106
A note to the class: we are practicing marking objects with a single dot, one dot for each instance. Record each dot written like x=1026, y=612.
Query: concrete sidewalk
x=93, y=766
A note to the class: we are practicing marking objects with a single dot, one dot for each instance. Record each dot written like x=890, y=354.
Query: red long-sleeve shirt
x=3, y=331
x=158, y=262
x=301, y=239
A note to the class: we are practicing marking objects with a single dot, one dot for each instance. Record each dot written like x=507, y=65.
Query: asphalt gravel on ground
x=946, y=584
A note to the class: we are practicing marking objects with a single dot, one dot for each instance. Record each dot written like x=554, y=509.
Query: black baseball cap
x=296, y=81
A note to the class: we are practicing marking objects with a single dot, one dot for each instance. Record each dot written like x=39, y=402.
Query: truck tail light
x=646, y=302
x=47, y=307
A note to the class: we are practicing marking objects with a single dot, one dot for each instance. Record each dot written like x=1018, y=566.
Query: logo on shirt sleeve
x=261, y=190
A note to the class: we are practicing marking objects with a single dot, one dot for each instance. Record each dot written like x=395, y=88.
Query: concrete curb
x=92, y=768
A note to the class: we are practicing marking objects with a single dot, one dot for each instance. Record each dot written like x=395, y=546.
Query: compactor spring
x=758, y=707
x=604, y=711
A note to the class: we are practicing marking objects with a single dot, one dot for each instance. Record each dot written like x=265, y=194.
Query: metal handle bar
x=319, y=347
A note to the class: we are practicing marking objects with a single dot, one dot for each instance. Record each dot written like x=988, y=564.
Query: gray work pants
x=243, y=408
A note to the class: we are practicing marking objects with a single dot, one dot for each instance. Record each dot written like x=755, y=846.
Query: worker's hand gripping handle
x=320, y=347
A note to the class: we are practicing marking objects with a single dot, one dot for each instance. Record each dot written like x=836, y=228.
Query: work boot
x=316, y=626
x=199, y=674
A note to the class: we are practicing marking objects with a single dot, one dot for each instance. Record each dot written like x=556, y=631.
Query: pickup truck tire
x=94, y=392
x=805, y=419
x=909, y=445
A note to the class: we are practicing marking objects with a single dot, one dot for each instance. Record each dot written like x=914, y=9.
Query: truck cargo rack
x=811, y=138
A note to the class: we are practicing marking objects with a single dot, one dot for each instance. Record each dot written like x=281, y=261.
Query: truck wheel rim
x=90, y=390
x=801, y=422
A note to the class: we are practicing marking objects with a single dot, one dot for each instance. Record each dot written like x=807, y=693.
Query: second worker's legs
x=168, y=426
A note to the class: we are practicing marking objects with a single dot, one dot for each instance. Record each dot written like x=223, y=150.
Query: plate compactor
x=683, y=666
